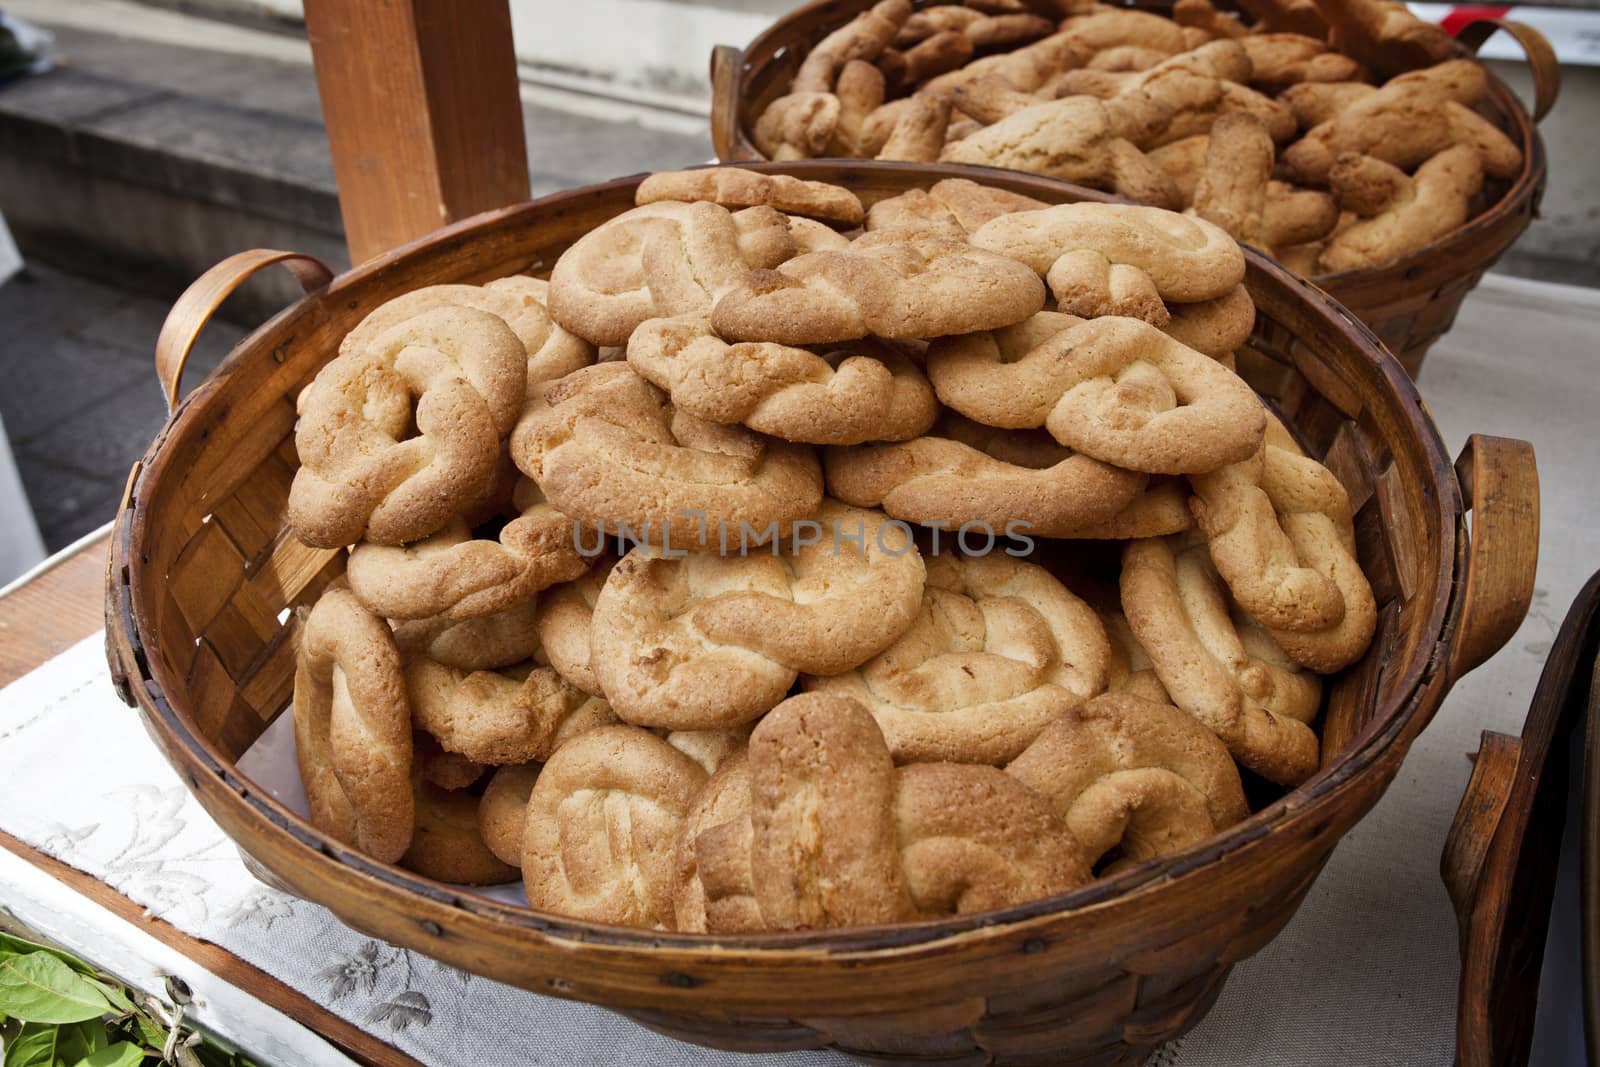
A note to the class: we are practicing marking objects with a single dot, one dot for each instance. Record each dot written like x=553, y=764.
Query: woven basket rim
x=1422, y=690
x=1527, y=186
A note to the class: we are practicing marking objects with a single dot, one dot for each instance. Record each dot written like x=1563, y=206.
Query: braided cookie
x=1073, y=139
x=966, y=474
x=456, y=576
x=840, y=398
x=954, y=207
x=479, y=644
x=711, y=641
x=503, y=810
x=732, y=187
x=863, y=37
x=1113, y=388
x=714, y=891
x=496, y=717
x=1257, y=708
x=1140, y=778
x=608, y=449
x=1281, y=536
x=1400, y=213
x=1216, y=328
x=999, y=649
x=563, y=618
x=455, y=374
x=1119, y=259
x=352, y=728
x=889, y=284
x=836, y=835
x=448, y=846
x=661, y=259
x=520, y=301
x=603, y=822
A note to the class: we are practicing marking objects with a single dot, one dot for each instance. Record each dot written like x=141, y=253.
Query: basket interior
x=214, y=572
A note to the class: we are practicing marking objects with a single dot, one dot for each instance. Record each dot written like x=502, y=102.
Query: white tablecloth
x=1365, y=972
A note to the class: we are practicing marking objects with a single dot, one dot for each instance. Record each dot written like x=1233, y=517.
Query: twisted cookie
x=998, y=650
x=954, y=207
x=822, y=830
x=732, y=187
x=478, y=644
x=497, y=717
x=1400, y=213
x=519, y=301
x=711, y=641
x=1281, y=536
x=661, y=259
x=1255, y=704
x=603, y=822
x=458, y=375
x=352, y=728
x=1119, y=259
x=965, y=474
x=840, y=398
x=448, y=845
x=608, y=449
x=888, y=284
x=1236, y=192
x=1141, y=778
x=1216, y=328
x=455, y=576
x=863, y=37
x=1113, y=388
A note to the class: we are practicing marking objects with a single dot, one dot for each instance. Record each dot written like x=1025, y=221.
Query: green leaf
x=122, y=1054
x=35, y=1046
x=16, y=946
x=40, y=988
x=77, y=1040
x=115, y=995
x=151, y=1033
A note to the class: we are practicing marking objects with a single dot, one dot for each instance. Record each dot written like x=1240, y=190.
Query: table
x=1371, y=957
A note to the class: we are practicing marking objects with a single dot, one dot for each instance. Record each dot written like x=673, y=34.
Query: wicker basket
x=202, y=570
x=1408, y=302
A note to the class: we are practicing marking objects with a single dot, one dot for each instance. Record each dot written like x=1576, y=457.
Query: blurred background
x=140, y=142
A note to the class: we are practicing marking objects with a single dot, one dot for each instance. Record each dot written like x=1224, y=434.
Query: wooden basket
x=1409, y=302
x=202, y=571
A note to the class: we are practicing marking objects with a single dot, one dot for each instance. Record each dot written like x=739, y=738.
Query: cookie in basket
x=998, y=650
x=735, y=188
x=712, y=641
x=608, y=448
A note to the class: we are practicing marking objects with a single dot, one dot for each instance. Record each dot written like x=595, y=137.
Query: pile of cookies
x=1336, y=134
x=781, y=563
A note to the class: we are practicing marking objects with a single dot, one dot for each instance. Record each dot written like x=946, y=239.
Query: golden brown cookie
x=453, y=575
x=1282, y=537
x=479, y=644
x=352, y=728
x=715, y=888
x=495, y=717
x=1400, y=214
x=398, y=436
x=503, y=811
x=1279, y=60
x=712, y=641
x=1006, y=482
x=603, y=824
x=1141, y=778
x=1235, y=189
x=1113, y=388
x=664, y=258
x=953, y=207
x=733, y=187
x=889, y=285
x=869, y=392
x=1259, y=709
x=798, y=126
x=1216, y=328
x=563, y=617
x=863, y=37
x=448, y=846
x=999, y=649
x=608, y=449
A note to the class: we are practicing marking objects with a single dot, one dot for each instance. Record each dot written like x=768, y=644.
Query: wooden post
x=423, y=115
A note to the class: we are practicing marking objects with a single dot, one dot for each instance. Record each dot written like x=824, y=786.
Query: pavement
x=81, y=402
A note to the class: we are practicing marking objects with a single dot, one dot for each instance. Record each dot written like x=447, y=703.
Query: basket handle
x=1500, y=482
x=1541, y=55
x=1494, y=771
x=726, y=62
x=206, y=293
